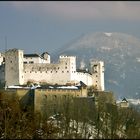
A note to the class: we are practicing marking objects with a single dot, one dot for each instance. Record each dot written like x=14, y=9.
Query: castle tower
x=68, y=64
x=97, y=70
x=14, y=74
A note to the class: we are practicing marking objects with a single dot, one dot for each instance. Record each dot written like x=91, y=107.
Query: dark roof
x=83, y=84
x=124, y=99
x=83, y=71
x=31, y=55
x=44, y=53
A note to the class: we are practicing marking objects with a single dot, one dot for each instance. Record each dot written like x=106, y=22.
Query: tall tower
x=97, y=70
x=14, y=74
x=68, y=65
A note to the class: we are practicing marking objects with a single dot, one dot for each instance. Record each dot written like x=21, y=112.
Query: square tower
x=97, y=70
x=14, y=74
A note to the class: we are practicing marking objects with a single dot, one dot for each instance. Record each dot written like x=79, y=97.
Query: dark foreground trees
x=68, y=117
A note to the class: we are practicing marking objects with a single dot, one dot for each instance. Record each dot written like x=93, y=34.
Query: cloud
x=84, y=10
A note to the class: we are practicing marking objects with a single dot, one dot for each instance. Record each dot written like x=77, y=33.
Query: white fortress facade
x=17, y=68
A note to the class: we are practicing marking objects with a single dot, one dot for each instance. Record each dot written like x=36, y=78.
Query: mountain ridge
x=119, y=51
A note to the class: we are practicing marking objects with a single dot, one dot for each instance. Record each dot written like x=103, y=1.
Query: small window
x=58, y=68
x=66, y=63
x=65, y=67
x=96, y=75
x=46, y=96
x=46, y=71
x=62, y=71
x=25, y=62
x=96, y=81
x=67, y=71
x=51, y=71
x=11, y=61
x=56, y=71
x=31, y=62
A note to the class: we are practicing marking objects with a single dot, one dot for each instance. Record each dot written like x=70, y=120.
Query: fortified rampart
x=19, y=68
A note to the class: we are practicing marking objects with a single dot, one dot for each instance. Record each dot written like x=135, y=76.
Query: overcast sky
x=47, y=25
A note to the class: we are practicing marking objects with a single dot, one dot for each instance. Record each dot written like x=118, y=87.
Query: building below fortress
x=17, y=68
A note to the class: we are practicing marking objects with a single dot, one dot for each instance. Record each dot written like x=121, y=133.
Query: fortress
x=17, y=68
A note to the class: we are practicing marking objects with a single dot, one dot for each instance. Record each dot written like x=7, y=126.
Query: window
x=58, y=68
x=62, y=71
x=31, y=62
x=67, y=71
x=66, y=63
x=96, y=75
x=65, y=67
x=55, y=96
x=46, y=96
x=96, y=81
x=25, y=62
x=56, y=71
x=11, y=61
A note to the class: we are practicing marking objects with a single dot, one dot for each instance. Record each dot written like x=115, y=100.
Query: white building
x=36, y=58
x=21, y=68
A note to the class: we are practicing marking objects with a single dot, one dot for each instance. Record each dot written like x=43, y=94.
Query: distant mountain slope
x=121, y=54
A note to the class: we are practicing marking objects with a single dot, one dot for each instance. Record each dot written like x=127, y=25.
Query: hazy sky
x=44, y=26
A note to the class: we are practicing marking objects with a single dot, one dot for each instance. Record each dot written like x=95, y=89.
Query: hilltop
x=119, y=51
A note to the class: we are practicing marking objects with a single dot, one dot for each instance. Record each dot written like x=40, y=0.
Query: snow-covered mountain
x=119, y=51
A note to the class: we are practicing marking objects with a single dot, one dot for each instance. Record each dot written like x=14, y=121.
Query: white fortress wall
x=49, y=73
x=60, y=73
x=32, y=67
x=85, y=78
